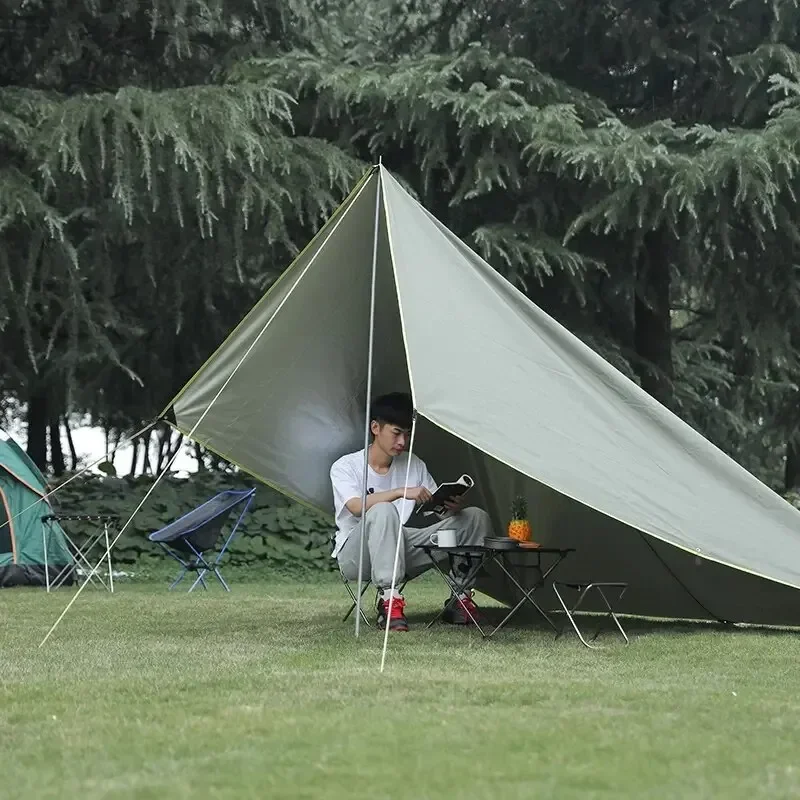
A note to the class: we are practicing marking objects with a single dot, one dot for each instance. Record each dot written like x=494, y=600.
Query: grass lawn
x=264, y=693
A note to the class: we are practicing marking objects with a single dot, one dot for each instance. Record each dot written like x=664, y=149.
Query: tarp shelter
x=503, y=392
x=23, y=535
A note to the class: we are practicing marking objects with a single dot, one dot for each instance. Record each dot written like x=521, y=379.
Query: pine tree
x=616, y=184
x=129, y=171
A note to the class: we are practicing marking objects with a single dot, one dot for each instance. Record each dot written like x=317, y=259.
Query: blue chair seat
x=189, y=538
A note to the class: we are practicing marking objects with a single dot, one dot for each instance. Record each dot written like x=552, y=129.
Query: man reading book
x=388, y=514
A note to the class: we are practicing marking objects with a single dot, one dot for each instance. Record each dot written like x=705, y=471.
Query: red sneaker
x=395, y=615
x=460, y=611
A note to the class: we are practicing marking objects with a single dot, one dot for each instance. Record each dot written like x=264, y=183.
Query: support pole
x=190, y=434
x=368, y=402
x=400, y=542
x=108, y=553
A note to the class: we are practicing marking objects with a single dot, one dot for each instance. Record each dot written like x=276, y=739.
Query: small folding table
x=543, y=560
x=82, y=546
x=609, y=592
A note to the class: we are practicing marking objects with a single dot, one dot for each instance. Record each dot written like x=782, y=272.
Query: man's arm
x=419, y=494
x=354, y=503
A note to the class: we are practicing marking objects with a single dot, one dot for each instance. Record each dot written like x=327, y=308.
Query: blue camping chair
x=188, y=538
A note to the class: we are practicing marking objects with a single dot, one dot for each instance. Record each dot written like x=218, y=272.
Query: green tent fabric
x=503, y=392
x=23, y=534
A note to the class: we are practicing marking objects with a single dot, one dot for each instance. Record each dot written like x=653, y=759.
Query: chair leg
x=355, y=601
x=177, y=580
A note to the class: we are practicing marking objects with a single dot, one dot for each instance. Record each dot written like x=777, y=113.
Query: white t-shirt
x=347, y=478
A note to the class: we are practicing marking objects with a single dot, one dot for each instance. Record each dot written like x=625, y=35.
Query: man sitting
x=388, y=462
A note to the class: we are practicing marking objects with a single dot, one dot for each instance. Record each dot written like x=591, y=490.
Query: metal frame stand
x=498, y=556
x=199, y=565
x=80, y=552
x=476, y=557
x=355, y=604
x=583, y=590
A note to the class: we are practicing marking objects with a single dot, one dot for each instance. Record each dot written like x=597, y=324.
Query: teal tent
x=23, y=534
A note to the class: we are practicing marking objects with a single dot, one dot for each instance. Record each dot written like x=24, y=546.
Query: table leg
x=455, y=588
x=527, y=595
x=108, y=556
x=583, y=590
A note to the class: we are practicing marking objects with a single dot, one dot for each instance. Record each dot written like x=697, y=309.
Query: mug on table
x=444, y=538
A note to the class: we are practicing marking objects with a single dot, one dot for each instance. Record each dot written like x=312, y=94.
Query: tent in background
x=23, y=535
x=503, y=392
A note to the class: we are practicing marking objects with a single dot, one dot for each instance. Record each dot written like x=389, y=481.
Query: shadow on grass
x=589, y=622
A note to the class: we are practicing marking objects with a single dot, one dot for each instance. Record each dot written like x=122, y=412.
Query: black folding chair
x=365, y=584
x=190, y=537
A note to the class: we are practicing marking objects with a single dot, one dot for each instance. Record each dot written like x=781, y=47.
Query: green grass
x=264, y=693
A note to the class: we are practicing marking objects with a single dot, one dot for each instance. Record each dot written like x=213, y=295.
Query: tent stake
x=368, y=402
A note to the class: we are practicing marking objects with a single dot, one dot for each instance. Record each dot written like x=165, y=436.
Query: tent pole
x=399, y=539
x=189, y=435
x=368, y=403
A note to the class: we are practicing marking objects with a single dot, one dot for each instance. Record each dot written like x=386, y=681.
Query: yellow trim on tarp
x=658, y=537
x=385, y=207
x=281, y=489
x=357, y=188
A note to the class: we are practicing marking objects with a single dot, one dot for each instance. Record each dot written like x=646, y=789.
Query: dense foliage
x=631, y=166
x=275, y=534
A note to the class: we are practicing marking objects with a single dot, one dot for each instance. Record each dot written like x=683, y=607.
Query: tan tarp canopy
x=503, y=392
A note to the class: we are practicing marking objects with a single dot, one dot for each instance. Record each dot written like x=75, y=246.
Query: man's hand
x=456, y=504
x=419, y=494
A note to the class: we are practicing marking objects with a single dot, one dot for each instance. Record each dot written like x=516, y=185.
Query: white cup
x=444, y=538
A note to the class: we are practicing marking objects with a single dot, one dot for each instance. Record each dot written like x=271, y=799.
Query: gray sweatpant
x=382, y=526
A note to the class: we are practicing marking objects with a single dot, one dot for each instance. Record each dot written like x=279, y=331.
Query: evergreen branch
x=21, y=202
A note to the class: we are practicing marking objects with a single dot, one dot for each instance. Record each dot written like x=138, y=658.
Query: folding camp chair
x=365, y=584
x=188, y=538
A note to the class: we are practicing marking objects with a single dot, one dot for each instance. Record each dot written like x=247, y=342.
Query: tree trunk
x=163, y=449
x=172, y=451
x=653, y=323
x=134, y=457
x=73, y=453
x=36, y=419
x=146, y=468
x=791, y=474
x=112, y=442
x=198, y=454
x=56, y=451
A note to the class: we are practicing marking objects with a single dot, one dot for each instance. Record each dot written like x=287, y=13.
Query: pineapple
x=519, y=528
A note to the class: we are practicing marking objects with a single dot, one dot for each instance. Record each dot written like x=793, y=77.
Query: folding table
x=81, y=546
x=607, y=590
x=539, y=556
x=476, y=556
x=542, y=559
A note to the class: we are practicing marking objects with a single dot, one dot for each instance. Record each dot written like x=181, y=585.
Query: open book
x=445, y=492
